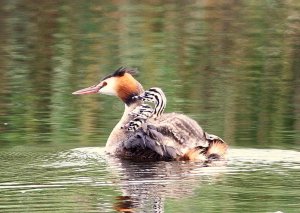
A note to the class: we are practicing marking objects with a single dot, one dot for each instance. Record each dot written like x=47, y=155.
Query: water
x=233, y=66
x=85, y=180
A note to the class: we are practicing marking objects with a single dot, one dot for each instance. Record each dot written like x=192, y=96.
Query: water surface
x=86, y=180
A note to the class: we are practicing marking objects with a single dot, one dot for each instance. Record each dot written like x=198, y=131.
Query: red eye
x=103, y=84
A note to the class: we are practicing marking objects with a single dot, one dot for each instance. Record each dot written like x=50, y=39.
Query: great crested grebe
x=170, y=136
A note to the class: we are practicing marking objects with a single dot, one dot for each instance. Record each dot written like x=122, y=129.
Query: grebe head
x=120, y=83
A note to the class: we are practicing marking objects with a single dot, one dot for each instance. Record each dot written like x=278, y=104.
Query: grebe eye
x=103, y=84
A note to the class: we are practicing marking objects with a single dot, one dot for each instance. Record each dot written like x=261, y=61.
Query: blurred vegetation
x=234, y=66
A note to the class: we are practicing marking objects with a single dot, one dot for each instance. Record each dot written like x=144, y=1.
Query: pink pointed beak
x=89, y=90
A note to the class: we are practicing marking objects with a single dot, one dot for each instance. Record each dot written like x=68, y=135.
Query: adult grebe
x=171, y=136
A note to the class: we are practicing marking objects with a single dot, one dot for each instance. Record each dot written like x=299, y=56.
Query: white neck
x=126, y=117
x=119, y=134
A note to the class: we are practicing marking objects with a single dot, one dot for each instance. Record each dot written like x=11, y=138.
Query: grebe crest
x=120, y=83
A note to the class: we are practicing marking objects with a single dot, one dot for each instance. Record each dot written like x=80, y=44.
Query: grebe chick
x=211, y=137
x=157, y=96
x=144, y=109
x=142, y=113
x=173, y=136
x=135, y=124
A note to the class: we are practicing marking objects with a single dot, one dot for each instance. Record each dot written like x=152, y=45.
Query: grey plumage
x=150, y=139
x=181, y=128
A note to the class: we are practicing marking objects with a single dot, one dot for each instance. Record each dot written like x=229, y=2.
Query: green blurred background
x=234, y=66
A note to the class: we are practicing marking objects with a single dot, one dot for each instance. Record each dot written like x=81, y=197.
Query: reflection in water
x=145, y=186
